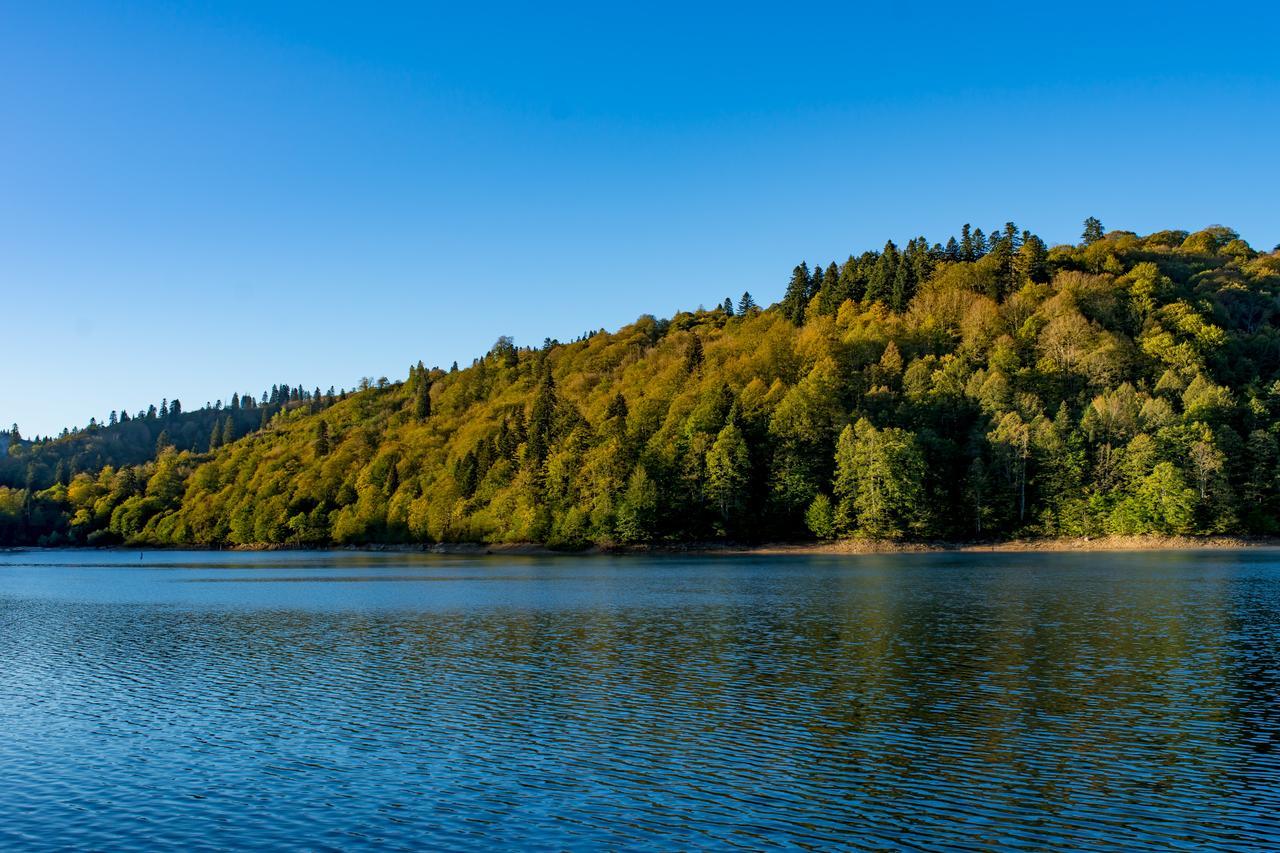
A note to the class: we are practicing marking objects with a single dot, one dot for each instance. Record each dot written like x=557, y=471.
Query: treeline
x=123, y=439
x=983, y=388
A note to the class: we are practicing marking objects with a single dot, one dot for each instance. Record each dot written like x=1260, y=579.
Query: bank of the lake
x=842, y=546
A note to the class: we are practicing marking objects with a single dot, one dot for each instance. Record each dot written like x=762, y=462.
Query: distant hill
x=984, y=388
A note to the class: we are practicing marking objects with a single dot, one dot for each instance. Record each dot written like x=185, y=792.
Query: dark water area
x=917, y=701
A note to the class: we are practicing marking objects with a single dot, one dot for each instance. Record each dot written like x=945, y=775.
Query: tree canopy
x=983, y=387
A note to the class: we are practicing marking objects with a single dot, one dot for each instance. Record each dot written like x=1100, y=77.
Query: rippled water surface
x=319, y=701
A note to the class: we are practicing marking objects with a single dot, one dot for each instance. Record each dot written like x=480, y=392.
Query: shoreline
x=851, y=547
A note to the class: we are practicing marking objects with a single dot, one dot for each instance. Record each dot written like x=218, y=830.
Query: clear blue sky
x=200, y=198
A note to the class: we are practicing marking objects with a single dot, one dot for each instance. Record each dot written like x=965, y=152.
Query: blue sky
x=200, y=198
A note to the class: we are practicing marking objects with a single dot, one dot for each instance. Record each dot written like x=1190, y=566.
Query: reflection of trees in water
x=909, y=688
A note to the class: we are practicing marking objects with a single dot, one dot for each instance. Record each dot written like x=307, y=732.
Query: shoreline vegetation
x=1117, y=392
x=849, y=547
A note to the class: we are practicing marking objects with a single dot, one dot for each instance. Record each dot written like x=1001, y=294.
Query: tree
x=693, y=353
x=1032, y=260
x=422, y=399
x=228, y=430
x=746, y=305
x=321, y=443
x=638, y=512
x=1011, y=439
x=541, y=419
x=1163, y=503
x=820, y=518
x=880, y=283
x=967, y=250
x=1093, y=231
x=728, y=471
x=796, y=298
x=879, y=482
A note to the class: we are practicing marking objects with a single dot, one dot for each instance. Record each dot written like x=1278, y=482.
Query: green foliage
x=988, y=388
x=879, y=482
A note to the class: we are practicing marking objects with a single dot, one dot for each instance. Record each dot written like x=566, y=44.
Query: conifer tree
x=880, y=283
x=321, y=443
x=1093, y=231
x=541, y=419
x=967, y=250
x=1032, y=261
x=979, y=244
x=693, y=353
x=422, y=399
x=796, y=298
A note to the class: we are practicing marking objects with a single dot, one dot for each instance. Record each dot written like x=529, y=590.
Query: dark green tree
x=796, y=299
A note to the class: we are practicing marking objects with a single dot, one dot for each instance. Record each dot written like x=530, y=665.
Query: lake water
x=338, y=701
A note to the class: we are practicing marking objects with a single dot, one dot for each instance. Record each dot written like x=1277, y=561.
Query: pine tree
x=422, y=399
x=215, y=436
x=746, y=304
x=1093, y=231
x=903, y=287
x=727, y=307
x=967, y=250
x=321, y=443
x=852, y=284
x=880, y=283
x=693, y=353
x=796, y=298
x=541, y=419
x=1032, y=260
x=617, y=408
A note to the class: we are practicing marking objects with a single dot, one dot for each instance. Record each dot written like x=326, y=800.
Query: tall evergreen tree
x=968, y=252
x=693, y=353
x=796, y=299
x=321, y=443
x=422, y=398
x=880, y=283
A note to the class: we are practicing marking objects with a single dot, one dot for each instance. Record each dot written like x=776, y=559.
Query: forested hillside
x=979, y=389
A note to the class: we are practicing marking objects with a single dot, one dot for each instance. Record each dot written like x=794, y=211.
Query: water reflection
x=1012, y=701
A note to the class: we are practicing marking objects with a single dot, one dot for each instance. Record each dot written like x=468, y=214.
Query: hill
x=988, y=388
